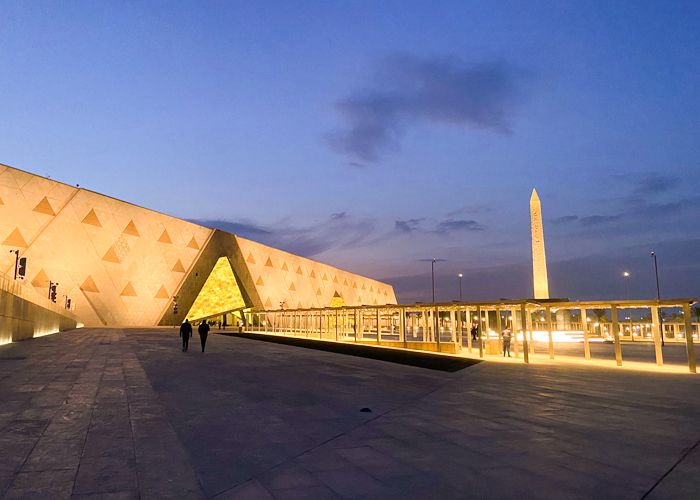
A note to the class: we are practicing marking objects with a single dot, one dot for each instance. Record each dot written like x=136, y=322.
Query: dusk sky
x=373, y=136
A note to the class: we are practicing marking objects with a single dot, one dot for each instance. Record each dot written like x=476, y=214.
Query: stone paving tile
x=119, y=414
x=40, y=485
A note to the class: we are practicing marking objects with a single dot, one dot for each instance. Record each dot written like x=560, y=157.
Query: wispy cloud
x=451, y=225
x=407, y=226
x=565, y=219
x=597, y=220
x=443, y=90
x=340, y=230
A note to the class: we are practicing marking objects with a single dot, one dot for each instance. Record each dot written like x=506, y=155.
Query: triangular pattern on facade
x=128, y=291
x=44, y=207
x=250, y=259
x=299, y=271
x=292, y=287
x=269, y=262
x=89, y=285
x=111, y=256
x=41, y=280
x=165, y=238
x=178, y=267
x=162, y=293
x=193, y=244
x=260, y=281
x=131, y=230
x=15, y=239
x=92, y=219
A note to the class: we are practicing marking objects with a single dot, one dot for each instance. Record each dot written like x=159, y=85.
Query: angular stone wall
x=25, y=314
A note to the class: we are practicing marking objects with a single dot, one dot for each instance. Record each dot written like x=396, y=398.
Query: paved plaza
x=122, y=414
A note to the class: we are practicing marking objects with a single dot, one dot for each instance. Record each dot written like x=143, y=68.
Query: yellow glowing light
x=337, y=301
x=219, y=294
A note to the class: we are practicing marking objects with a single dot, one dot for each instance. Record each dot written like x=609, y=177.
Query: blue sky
x=372, y=135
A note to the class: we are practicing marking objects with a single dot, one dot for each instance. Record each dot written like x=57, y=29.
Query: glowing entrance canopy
x=219, y=294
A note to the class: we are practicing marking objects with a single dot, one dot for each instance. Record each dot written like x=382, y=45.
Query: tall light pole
x=658, y=295
x=460, y=286
x=432, y=274
x=629, y=297
x=627, y=277
x=656, y=270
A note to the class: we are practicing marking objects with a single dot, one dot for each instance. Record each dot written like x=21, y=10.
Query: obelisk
x=539, y=261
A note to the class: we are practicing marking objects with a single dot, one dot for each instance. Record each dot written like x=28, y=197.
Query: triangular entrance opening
x=337, y=300
x=220, y=293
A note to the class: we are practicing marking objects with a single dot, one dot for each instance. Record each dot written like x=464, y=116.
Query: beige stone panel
x=105, y=235
x=113, y=204
x=16, y=211
x=128, y=211
x=20, y=177
x=43, y=219
x=39, y=185
x=61, y=193
x=8, y=179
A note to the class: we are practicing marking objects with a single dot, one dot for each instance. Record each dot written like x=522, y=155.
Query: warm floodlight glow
x=219, y=294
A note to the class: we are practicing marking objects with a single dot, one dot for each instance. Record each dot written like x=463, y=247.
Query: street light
x=432, y=274
x=658, y=295
x=629, y=297
x=460, y=286
x=627, y=277
x=656, y=271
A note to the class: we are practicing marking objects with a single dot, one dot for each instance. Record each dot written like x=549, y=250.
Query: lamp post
x=629, y=297
x=656, y=271
x=432, y=275
x=460, y=286
x=658, y=295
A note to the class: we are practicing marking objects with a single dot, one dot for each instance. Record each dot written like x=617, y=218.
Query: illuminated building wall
x=122, y=265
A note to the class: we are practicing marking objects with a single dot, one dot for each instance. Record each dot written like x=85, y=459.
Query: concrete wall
x=25, y=314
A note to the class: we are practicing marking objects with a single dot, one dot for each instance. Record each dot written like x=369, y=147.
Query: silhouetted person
x=203, y=332
x=475, y=332
x=506, y=336
x=185, y=332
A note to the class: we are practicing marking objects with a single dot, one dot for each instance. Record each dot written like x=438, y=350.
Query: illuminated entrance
x=220, y=293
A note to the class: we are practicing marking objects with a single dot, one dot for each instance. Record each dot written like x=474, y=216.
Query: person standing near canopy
x=185, y=332
x=203, y=332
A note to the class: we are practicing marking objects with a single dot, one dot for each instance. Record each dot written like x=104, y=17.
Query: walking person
x=506, y=336
x=203, y=332
x=475, y=332
x=185, y=332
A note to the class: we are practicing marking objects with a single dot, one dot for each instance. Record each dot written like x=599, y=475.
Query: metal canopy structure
x=439, y=327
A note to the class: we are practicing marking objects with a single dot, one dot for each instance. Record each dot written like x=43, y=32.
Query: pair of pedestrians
x=186, y=331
